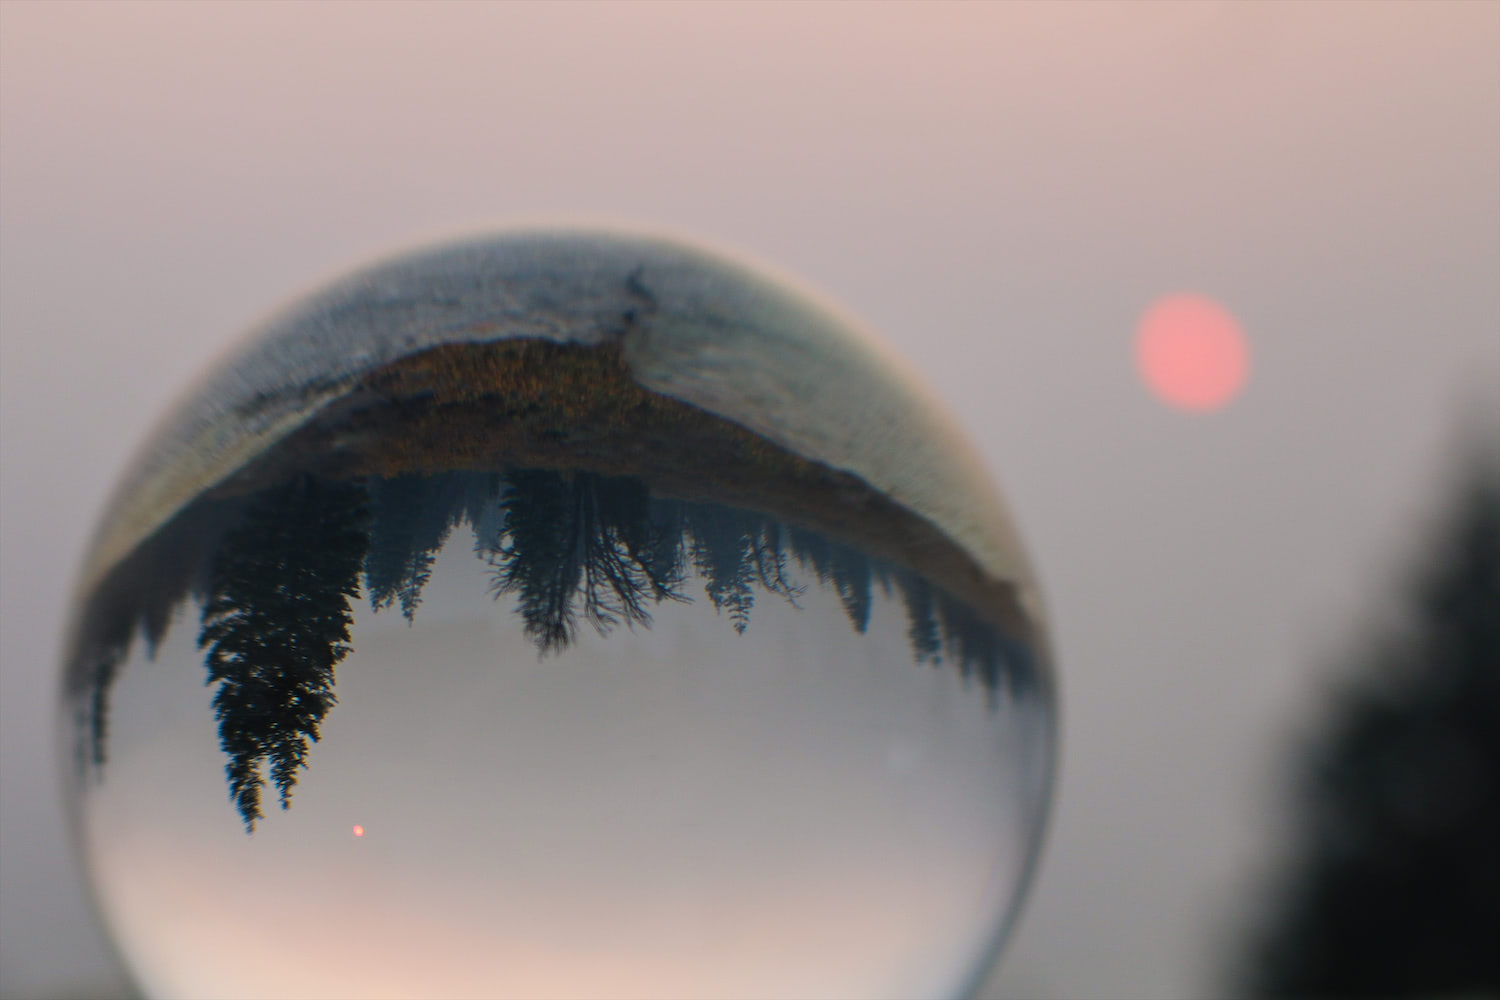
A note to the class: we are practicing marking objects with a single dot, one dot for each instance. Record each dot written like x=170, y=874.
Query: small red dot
x=359, y=831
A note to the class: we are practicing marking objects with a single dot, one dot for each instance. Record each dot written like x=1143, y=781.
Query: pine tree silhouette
x=663, y=549
x=921, y=614
x=735, y=550
x=102, y=682
x=274, y=626
x=1396, y=891
x=580, y=536
x=397, y=565
x=851, y=578
x=412, y=517
x=475, y=495
x=847, y=570
x=722, y=552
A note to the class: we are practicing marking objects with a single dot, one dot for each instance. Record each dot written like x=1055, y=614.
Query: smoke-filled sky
x=1002, y=190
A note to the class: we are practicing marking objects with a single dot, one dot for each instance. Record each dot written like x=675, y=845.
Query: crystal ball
x=558, y=614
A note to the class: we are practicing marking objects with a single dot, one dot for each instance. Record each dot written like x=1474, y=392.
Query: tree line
x=276, y=576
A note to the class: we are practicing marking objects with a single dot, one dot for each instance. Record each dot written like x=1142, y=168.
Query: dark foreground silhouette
x=1395, y=889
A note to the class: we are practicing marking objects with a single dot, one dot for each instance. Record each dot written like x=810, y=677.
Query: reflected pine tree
x=921, y=613
x=580, y=539
x=276, y=623
x=846, y=570
x=412, y=518
x=403, y=538
x=973, y=644
x=735, y=550
x=96, y=714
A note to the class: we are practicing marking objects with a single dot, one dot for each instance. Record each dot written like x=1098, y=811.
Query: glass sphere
x=558, y=614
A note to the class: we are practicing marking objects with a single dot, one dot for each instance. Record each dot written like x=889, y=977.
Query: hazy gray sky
x=1001, y=190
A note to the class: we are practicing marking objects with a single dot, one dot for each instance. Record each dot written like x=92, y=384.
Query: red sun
x=358, y=830
x=1192, y=353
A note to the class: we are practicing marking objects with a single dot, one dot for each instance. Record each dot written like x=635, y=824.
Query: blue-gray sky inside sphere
x=1001, y=190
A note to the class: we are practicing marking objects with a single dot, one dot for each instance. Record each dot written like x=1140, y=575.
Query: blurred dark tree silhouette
x=1396, y=887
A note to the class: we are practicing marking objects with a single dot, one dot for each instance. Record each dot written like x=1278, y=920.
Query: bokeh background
x=1001, y=189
